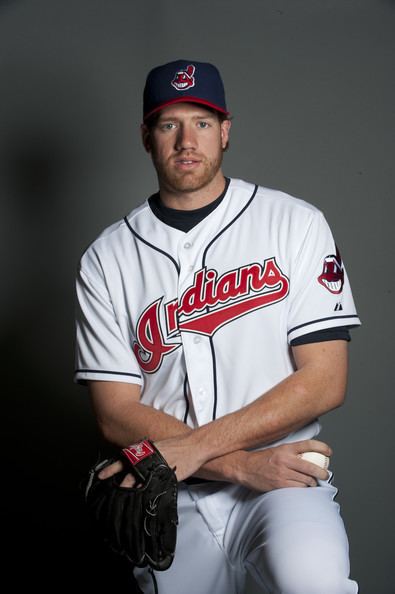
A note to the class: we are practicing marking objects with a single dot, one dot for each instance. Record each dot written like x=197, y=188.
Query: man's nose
x=186, y=138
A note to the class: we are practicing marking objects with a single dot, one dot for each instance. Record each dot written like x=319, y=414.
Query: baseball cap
x=183, y=80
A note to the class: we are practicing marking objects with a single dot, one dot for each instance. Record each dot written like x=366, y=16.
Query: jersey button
x=197, y=339
x=187, y=245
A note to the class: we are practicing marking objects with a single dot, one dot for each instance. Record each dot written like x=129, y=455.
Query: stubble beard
x=185, y=181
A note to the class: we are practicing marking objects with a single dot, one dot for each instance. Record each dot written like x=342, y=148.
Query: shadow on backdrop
x=45, y=428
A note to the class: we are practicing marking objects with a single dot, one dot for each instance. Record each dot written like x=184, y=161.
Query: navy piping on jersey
x=186, y=398
x=321, y=320
x=208, y=309
x=214, y=416
x=228, y=225
x=108, y=372
x=152, y=246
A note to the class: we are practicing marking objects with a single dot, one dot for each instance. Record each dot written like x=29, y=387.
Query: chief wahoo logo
x=184, y=79
x=332, y=277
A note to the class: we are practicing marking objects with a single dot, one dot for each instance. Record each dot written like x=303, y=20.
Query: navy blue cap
x=184, y=80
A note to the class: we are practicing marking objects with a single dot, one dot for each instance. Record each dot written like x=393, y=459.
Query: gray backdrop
x=311, y=86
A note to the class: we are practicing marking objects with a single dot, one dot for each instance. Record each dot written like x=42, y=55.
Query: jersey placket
x=196, y=347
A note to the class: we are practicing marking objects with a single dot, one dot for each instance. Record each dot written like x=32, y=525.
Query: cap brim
x=187, y=99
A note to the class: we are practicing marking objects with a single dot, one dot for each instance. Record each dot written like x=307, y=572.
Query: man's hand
x=281, y=466
x=177, y=452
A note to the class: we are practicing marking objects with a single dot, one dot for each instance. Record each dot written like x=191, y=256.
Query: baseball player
x=213, y=319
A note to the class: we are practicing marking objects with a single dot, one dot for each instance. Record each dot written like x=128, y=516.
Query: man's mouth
x=187, y=163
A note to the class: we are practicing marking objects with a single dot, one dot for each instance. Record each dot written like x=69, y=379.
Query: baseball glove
x=137, y=522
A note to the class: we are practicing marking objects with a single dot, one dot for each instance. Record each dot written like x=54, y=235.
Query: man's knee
x=311, y=582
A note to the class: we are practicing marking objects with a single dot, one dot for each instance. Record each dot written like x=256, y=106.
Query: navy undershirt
x=185, y=220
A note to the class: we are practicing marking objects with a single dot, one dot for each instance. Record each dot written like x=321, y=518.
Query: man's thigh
x=291, y=541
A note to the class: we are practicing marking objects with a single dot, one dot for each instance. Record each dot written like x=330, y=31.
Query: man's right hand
x=281, y=466
x=177, y=452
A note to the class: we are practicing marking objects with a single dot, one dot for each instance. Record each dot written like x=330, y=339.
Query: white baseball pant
x=292, y=541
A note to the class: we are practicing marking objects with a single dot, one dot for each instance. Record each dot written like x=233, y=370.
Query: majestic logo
x=184, y=79
x=208, y=304
x=332, y=277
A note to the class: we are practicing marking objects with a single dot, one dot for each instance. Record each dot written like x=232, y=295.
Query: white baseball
x=316, y=458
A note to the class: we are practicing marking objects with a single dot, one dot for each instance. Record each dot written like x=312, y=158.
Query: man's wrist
x=225, y=468
x=236, y=464
x=198, y=440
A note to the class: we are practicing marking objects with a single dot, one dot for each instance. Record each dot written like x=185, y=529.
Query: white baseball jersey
x=203, y=320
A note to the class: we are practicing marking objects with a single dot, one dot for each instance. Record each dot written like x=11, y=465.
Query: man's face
x=186, y=145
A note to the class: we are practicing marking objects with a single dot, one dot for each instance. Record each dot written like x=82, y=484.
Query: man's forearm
x=291, y=404
x=134, y=420
x=268, y=418
x=138, y=420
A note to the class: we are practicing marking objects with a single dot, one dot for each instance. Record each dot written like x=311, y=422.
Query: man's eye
x=168, y=126
x=203, y=124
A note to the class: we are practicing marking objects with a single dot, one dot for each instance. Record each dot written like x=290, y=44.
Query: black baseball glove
x=138, y=522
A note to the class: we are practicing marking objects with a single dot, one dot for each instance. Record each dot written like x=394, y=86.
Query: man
x=214, y=320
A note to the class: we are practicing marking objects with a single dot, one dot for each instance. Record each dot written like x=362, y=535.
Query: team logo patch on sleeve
x=184, y=79
x=332, y=277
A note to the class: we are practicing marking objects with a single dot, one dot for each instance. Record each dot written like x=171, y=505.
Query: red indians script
x=208, y=304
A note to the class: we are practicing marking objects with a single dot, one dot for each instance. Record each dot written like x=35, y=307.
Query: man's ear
x=146, y=137
x=225, y=128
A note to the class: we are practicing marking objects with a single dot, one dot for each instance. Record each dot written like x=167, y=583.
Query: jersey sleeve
x=102, y=350
x=320, y=293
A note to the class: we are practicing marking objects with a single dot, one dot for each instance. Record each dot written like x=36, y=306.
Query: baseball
x=316, y=458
